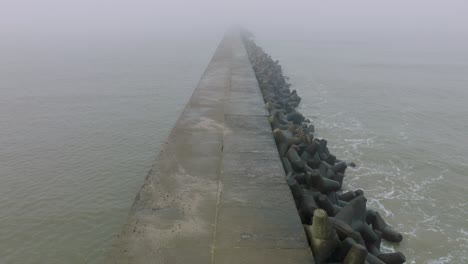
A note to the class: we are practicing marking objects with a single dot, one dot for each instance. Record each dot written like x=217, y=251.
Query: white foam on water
x=445, y=259
x=411, y=233
x=464, y=232
x=389, y=194
x=458, y=239
x=376, y=203
x=386, y=247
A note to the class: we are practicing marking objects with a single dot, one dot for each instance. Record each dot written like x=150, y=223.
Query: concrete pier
x=217, y=191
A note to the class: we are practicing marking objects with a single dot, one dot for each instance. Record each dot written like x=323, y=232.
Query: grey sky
x=23, y=16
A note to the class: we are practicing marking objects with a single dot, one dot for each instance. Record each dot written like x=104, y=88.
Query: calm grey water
x=81, y=120
x=397, y=106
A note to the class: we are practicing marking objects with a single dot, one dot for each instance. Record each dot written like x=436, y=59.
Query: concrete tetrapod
x=350, y=195
x=324, y=202
x=284, y=139
x=378, y=223
x=296, y=190
x=324, y=185
x=388, y=258
x=288, y=169
x=307, y=207
x=304, y=199
x=277, y=121
x=356, y=255
x=296, y=161
x=392, y=258
x=335, y=172
x=343, y=230
x=349, y=242
x=322, y=237
x=354, y=214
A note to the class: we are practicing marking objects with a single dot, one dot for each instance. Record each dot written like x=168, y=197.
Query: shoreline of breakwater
x=338, y=225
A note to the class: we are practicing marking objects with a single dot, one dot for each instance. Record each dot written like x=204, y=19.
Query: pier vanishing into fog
x=316, y=132
x=217, y=193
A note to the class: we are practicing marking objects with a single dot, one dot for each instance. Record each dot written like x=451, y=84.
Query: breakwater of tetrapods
x=227, y=188
x=338, y=225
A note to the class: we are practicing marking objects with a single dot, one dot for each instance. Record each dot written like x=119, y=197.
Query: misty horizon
x=74, y=17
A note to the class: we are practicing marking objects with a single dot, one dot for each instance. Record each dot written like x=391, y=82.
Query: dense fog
x=105, y=17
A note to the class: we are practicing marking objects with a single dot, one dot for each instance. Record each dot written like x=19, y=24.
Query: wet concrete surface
x=217, y=191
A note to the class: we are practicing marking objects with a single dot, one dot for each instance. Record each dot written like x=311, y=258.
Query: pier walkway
x=217, y=191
